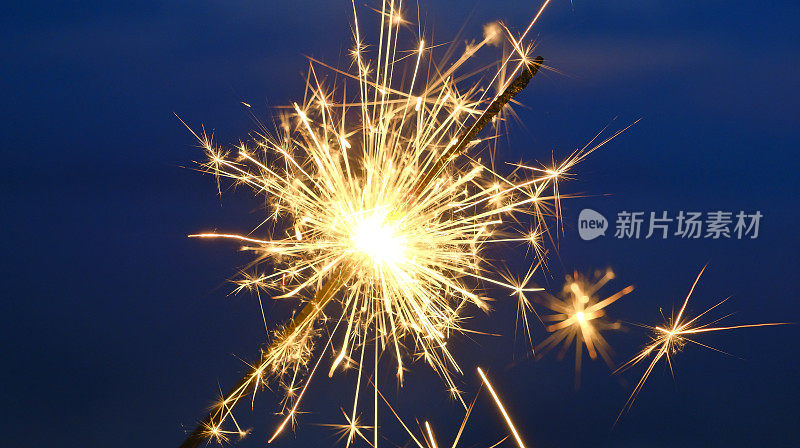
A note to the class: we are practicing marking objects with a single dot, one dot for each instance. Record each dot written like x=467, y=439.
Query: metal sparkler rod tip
x=516, y=86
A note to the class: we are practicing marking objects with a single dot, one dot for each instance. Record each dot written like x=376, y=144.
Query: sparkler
x=671, y=338
x=581, y=319
x=380, y=215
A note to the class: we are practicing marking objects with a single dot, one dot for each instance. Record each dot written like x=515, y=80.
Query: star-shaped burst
x=673, y=336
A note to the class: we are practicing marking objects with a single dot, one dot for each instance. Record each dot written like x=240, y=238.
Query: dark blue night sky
x=118, y=330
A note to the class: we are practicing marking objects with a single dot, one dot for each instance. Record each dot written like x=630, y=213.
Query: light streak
x=502, y=408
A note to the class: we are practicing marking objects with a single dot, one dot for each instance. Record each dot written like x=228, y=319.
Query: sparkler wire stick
x=516, y=86
x=338, y=279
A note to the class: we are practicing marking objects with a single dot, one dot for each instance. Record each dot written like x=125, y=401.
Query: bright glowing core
x=580, y=316
x=377, y=237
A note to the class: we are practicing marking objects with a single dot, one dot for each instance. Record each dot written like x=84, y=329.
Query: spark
x=381, y=207
x=524, y=304
x=672, y=337
x=580, y=319
x=350, y=429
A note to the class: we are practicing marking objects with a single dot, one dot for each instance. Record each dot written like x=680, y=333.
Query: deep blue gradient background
x=118, y=330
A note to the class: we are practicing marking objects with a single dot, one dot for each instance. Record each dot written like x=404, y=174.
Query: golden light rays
x=674, y=335
x=580, y=319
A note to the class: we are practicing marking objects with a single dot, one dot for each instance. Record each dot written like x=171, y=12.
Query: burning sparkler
x=581, y=319
x=381, y=209
x=671, y=338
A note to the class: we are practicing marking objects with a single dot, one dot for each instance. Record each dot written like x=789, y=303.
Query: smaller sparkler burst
x=581, y=318
x=677, y=332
